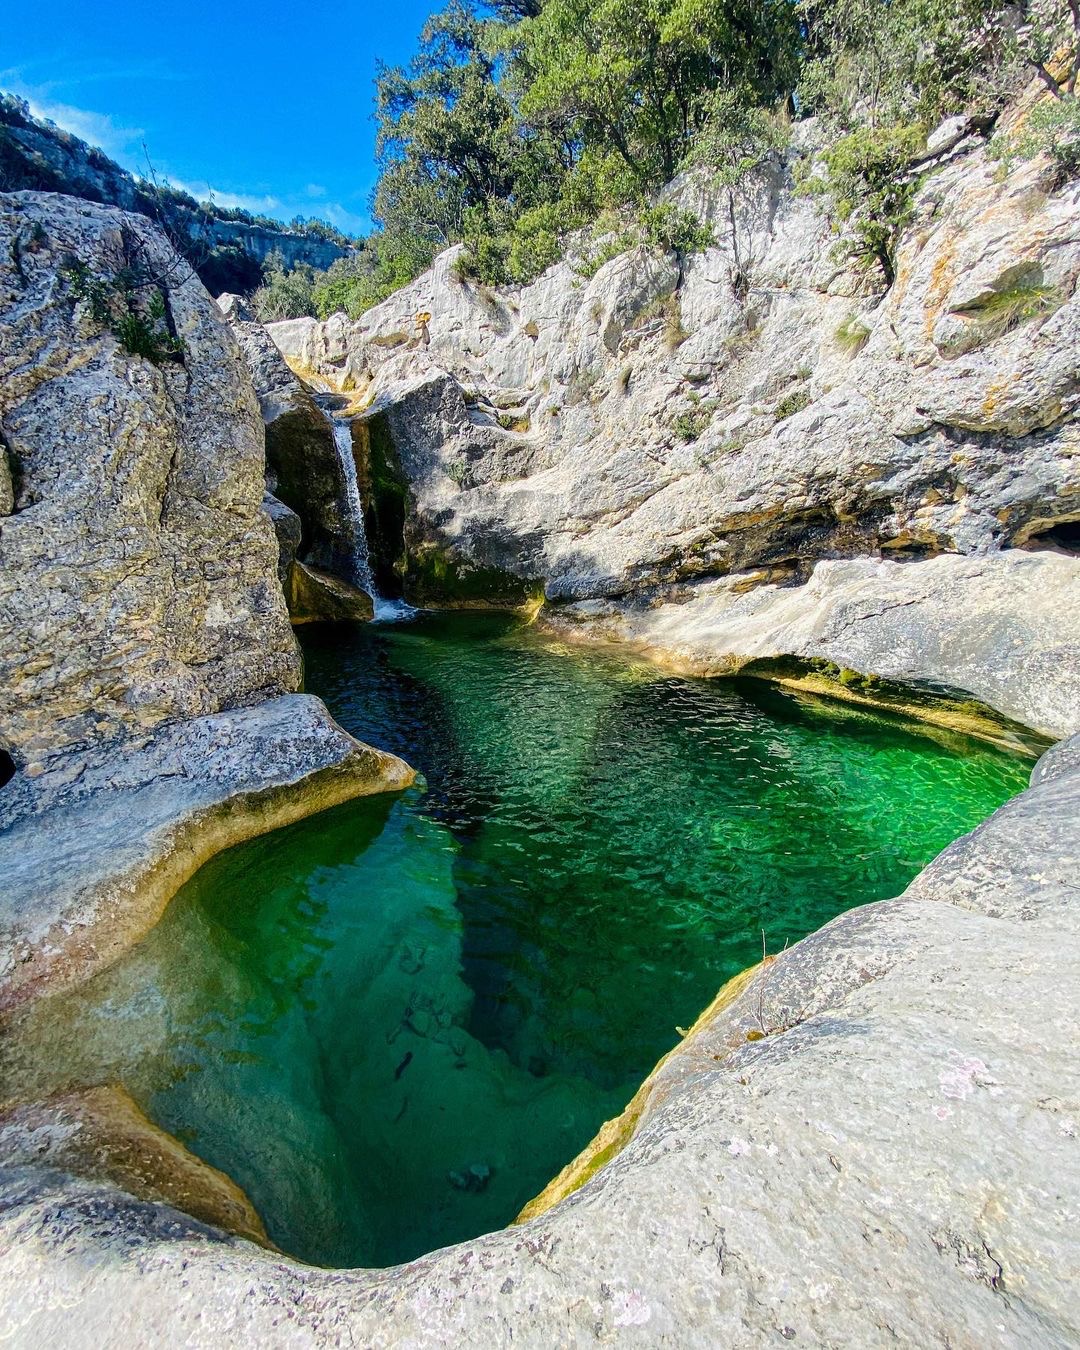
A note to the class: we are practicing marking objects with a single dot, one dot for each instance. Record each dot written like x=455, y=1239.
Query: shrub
x=131, y=303
x=791, y=403
x=1053, y=129
x=871, y=180
x=284, y=294
x=689, y=425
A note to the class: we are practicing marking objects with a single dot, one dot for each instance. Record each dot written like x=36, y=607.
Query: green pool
x=394, y=1022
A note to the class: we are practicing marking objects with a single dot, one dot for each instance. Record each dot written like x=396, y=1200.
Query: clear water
x=394, y=1022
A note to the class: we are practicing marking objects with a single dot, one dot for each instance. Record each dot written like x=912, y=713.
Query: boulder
x=315, y=596
x=137, y=567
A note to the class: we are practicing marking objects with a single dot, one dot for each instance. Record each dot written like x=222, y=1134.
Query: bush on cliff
x=523, y=121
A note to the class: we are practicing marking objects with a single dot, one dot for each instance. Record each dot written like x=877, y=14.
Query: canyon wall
x=732, y=418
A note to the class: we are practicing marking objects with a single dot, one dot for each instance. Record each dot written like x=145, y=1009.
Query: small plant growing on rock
x=852, y=335
x=1008, y=308
x=457, y=471
x=509, y=422
x=132, y=303
x=689, y=425
x=1052, y=128
x=791, y=403
x=674, y=332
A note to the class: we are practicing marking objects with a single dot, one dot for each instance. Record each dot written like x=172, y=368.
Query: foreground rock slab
x=93, y=848
x=875, y=1142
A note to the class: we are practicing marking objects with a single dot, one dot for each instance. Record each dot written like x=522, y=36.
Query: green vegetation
x=792, y=403
x=689, y=425
x=851, y=335
x=1003, y=310
x=132, y=302
x=524, y=129
x=1052, y=128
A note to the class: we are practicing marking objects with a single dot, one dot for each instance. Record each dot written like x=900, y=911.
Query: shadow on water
x=394, y=1022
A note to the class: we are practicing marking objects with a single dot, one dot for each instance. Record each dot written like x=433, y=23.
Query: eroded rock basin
x=393, y=1023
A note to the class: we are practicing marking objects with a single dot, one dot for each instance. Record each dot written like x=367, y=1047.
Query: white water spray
x=386, y=611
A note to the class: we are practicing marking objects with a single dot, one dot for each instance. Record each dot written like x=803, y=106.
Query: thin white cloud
x=246, y=201
x=314, y=190
x=96, y=128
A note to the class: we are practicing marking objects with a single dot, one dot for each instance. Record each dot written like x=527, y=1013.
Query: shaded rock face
x=137, y=565
x=658, y=423
x=871, y=1141
x=303, y=467
x=1004, y=629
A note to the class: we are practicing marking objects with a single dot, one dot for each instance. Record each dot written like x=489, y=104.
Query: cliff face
x=38, y=156
x=750, y=409
x=137, y=567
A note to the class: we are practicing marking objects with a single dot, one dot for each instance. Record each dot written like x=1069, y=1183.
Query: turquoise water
x=394, y=1022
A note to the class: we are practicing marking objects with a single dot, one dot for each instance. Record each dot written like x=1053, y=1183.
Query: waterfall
x=360, y=557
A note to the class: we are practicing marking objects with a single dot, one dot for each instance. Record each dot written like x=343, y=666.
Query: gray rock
x=137, y=569
x=871, y=1140
x=1002, y=628
x=288, y=532
x=93, y=848
x=302, y=465
x=761, y=409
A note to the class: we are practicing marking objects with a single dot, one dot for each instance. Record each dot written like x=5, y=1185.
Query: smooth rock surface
x=874, y=1143
x=1003, y=628
x=137, y=566
x=93, y=848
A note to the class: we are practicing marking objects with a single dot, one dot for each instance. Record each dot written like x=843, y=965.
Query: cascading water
x=360, y=557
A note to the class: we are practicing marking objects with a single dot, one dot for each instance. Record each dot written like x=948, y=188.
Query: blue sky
x=268, y=104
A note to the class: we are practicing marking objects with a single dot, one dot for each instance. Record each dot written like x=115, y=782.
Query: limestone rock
x=1002, y=628
x=759, y=407
x=315, y=596
x=871, y=1143
x=303, y=469
x=93, y=848
x=137, y=568
x=102, y=1134
x=288, y=531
